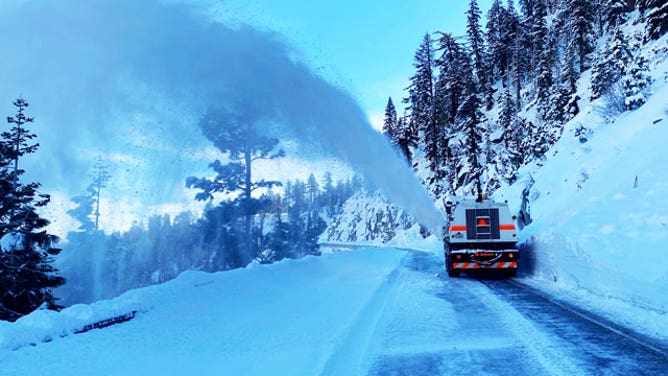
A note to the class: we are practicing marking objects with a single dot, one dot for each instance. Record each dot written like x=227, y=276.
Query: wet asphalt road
x=434, y=325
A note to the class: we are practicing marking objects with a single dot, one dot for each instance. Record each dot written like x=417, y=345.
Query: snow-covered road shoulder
x=293, y=313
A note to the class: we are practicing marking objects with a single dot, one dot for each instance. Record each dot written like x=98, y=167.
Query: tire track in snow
x=440, y=326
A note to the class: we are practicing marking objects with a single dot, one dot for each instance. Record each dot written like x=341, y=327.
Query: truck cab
x=480, y=236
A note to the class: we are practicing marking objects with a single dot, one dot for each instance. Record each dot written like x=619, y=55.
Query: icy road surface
x=363, y=312
x=431, y=326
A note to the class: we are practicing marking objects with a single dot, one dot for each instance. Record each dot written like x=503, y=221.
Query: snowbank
x=283, y=318
x=600, y=213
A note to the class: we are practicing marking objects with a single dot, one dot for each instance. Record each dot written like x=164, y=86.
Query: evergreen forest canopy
x=482, y=105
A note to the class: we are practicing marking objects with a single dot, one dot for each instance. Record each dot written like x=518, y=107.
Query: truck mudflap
x=484, y=259
x=476, y=265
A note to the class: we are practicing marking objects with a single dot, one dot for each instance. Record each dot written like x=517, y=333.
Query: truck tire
x=451, y=272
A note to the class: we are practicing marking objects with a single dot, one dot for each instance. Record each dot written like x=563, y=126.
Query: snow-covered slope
x=600, y=208
x=367, y=218
x=371, y=219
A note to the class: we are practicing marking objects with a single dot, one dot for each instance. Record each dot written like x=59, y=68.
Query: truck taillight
x=511, y=255
x=458, y=257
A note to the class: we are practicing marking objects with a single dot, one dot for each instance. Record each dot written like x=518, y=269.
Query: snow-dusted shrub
x=614, y=102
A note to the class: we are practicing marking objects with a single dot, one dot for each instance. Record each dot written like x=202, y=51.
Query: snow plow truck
x=480, y=236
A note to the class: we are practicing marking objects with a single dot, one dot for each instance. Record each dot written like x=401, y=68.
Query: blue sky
x=366, y=47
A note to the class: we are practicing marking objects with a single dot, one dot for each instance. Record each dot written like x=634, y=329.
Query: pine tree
x=656, y=13
x=329, y=195
x=469, y=116
x=455, y=72
x=236, y=132
x=470, y=170
x=83, y=210
x=477, y=47
x=527, y=38
x=406, y=137
x=278, y=244
x=421, y=91
x=512, y=136
x=312, y=190
x=498, y=41
x=86, y=249
x=390, y=126
x=635, y=83
x=455, y=78
x=611, y=64
x=545, y=78
x=421, y=88
x=421, y=99
x=100, y=178
x=88, y=252
x=613, y=13
x=559, y=112
x=580, y=27
x=513, y=35
x=27, y=277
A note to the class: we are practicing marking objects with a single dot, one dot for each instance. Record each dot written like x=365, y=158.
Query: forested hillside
x=482, y=105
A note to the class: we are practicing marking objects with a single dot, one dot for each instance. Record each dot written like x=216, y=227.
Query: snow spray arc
x=175, y=49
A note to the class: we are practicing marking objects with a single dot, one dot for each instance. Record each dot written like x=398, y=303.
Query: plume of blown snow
x=130, y=79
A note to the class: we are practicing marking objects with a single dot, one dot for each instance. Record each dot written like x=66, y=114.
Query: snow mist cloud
x=128, y=80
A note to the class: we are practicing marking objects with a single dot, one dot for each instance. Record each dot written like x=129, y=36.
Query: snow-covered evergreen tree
x=498, y=42
x=559, y=110
x=469, y=167
x=580, y=30
x=407, y=138
x=544, y=57
x=421, y=88
x=455, y=78
x=455, y=72
x=312, y=191
x=328, y=195
x=511, y=157
x=479, y=53
x=513, y=35
x=656, y=13
x=390, y=121
x=527, y=38
x=421, y=99
x=611, y=64
x=635, y=83
x=27, y=276
x=613, y=13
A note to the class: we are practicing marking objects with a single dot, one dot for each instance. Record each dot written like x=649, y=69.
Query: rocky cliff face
x=367, y=218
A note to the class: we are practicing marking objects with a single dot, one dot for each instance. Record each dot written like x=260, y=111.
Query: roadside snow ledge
x=284, y=318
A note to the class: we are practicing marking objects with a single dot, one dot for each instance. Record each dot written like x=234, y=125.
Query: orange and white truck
x=480, y=236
